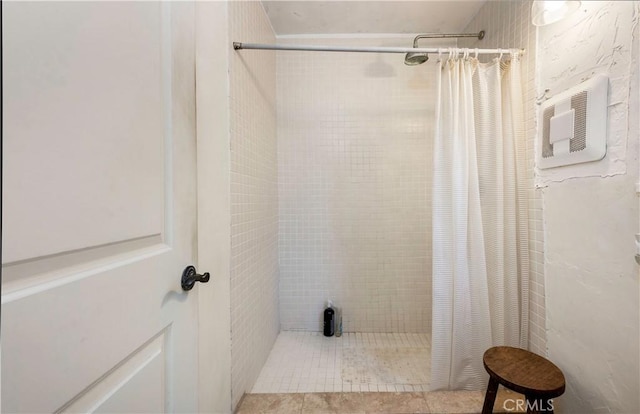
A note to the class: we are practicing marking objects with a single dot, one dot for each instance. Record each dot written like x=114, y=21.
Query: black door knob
x=190, y=277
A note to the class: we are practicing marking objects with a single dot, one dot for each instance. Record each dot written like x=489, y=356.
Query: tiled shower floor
x=304, y=362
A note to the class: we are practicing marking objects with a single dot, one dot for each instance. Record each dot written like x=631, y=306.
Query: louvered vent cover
x=574, y=125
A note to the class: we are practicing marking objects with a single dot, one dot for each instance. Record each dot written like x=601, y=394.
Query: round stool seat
x=521, y=371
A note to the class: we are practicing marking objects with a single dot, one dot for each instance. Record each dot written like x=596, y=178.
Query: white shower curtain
x=480, y=240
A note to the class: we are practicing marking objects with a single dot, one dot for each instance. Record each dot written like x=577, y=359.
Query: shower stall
x=331, y=200
x=350, y=185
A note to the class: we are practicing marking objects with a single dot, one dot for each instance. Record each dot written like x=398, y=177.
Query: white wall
x=590, y=220
x=508, y=24
x=214, y=218
x=254, y=197
x=354, y=155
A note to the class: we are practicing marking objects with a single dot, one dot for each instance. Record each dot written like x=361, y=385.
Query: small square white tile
x=309, y=362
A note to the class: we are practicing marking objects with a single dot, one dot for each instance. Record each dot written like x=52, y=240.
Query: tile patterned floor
x=306, y=362
x=442, y=402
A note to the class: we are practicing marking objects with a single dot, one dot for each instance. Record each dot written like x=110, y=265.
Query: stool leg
x=490, y=396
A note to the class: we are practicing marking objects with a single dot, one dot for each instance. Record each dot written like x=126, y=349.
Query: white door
x=99, y=207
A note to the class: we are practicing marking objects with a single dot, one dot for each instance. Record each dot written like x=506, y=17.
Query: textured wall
x=254, y=197
x=508, y=25
x=354, y=148
x=591, y=216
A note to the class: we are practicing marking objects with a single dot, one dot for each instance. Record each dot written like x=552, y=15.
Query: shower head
x=415, y=58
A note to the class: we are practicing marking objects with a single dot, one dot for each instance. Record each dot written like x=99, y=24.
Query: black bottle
x=329, y=320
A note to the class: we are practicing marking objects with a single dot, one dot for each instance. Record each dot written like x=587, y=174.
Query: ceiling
x=342, y=17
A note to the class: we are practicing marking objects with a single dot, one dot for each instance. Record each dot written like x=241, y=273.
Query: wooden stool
x=524, y=372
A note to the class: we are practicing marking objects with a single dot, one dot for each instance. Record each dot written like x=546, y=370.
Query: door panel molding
x=16, y=271
x=39, y=283
x=105, y=388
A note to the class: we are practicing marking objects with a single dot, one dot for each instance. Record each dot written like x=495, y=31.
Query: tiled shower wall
x=254, y=198
x=354, y=158
x=508, y=25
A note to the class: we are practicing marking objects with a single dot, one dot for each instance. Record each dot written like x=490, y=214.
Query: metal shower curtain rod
x=317, y=48
x=414, y=49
